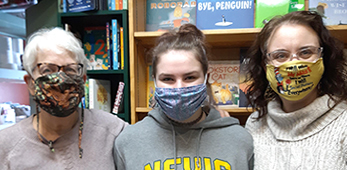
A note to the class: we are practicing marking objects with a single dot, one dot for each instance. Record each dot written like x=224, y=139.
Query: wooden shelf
x=231, y=37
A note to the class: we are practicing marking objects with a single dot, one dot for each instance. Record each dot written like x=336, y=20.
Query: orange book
x=120, y=4
x=117, y=4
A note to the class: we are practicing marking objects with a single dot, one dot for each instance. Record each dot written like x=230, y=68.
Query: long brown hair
x=333, y=81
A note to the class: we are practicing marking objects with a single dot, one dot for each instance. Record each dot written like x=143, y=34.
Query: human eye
x=306, y=53
x=167, y=79
x=280, y=55
x=191, y=78
x=46, y=69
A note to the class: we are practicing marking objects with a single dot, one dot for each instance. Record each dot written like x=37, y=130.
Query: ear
x=29, y=81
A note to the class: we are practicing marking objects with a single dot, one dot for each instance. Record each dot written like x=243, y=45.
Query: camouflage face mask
x=59, y=94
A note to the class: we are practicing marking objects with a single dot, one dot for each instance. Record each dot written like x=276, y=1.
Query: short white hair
x=55, y=39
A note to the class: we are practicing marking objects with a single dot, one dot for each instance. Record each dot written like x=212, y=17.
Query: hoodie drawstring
x=174, y=144
x=198, y=162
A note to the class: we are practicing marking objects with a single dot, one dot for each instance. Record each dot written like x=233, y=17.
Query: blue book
x=81, y=5
x=164, y=15
x=228, y=14
x=115, y=62
x=332, y=12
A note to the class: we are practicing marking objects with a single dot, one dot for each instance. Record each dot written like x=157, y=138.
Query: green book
x=265, y=10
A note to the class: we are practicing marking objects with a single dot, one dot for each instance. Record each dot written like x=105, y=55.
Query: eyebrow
x=189, y=73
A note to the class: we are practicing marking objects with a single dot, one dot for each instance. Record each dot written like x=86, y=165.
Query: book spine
x=64, y=6
x=113, y=5
x=114, y=44
x=92, y=87
x=118, y=99
x=117, y=4
x=122, y=47
x=125, y=4
x=108, y=44
x=120, y=4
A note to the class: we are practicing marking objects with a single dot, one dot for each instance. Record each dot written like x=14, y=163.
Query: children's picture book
x=226, y=14
x=86, y=94
x=242, y=85
x=150, y=88
x=100, y=94
x=224, y=81
x=95, y=48
x=332, y=12
x=164, y=15
x=81, y=5
x=265, y=10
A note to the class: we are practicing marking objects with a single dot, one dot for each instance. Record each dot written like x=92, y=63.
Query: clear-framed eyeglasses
x=70, y=69
x=279, y=57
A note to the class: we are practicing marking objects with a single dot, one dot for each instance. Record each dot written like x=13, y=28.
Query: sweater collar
x=305, y=122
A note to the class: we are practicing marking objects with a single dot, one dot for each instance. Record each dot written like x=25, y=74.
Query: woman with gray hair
x=52, y=138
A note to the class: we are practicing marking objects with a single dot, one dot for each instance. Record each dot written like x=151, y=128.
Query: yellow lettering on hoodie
x=196, y=165
x=207, y=163
x=186, y=163
x=169, y=162
x=156, y=165
x=218, y=164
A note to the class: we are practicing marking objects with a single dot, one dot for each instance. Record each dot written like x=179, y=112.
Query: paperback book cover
x=333, y=12
x=115, y=45
x=150, y=87
x=95, y=48
x=243, y=86
x=164, y=15
x=224, y=81
x=81, y=5
x=100, y=94
x=217, y=14
x=265, y=10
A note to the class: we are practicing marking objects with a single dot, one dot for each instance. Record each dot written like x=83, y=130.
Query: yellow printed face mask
x=293, y=80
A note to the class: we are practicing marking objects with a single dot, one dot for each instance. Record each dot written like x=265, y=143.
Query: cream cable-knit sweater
x=310, y=138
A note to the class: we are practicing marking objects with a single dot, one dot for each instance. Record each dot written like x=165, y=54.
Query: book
x=115, y=61
x=125, y=4
x=228, y=14
x=164, y=15
x=243, y=102
x=332, y=12
x=81, y=5
x=95, y=48
x=265, y=10
x=100, y=94
x=120, y=4
x=224, y=81
x=86, y=94
x=119, y=98
x=150, y=87
x=122, y=48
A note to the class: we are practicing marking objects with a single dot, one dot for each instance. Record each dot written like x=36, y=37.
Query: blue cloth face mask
x=181, y=103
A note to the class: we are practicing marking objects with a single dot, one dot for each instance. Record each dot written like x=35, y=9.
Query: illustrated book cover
x=95, y=48
x=332, y=12
x=265, y=10
x=150, y=87
x=229, y=14
x=100, y=94
x=81, y=5
x=224, y=81
x=164, y=15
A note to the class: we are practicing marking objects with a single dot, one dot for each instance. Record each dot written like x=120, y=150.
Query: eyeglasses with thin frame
x=279, y=57
x=69, y=69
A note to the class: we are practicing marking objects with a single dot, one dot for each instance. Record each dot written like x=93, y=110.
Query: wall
x=14, y=92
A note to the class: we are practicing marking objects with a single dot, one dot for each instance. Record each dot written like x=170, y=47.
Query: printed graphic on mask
x=59, y=94
x=295, y=79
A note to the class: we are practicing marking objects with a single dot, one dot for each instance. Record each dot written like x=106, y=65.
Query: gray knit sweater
x=310, y=138
x=21, y=148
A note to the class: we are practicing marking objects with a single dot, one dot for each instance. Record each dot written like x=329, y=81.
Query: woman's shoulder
x=102, y=119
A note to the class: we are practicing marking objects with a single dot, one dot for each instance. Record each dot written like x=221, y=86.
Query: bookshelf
x=38, y=17
x=223, y=43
